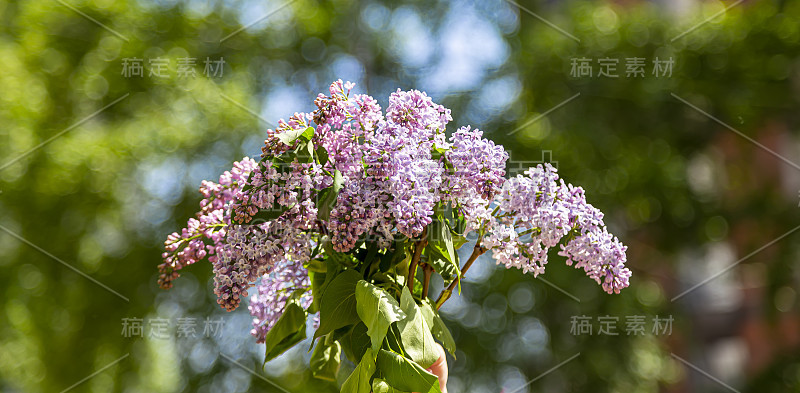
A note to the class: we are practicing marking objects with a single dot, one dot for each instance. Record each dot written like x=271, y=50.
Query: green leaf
x=377, y=309
x=444, y=243
x=406, y=375
x=370, y=258
x=393, y=258
x=316, y=265
x=415, y=333
x=281, y=162
x=448, y=270
x=447, y=240
x=317, y=280
x=441, y=251
x=458, y=240
x=332, y=268
x=372, y=252
x=322, y=155
x=326, y=199
x=392, y=340
x=358, y=381
x=442, y=333
x=305, y=152
x=289, y=330
x=381, y=386
x=355, y=342
x=438, y=152
x=288, y=137
x=337, y=307
x=326, y=359
x=438, y=328
x=307, y=134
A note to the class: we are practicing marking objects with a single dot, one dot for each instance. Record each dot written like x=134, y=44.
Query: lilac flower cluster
x=476, y=175
x=209, y=226
x=252, y=251
x=479, y=166
x=536, y=211
x=263, y=219
x=394, y=182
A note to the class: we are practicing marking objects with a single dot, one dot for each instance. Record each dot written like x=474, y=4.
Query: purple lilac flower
x=253, y=247
x=415, y=187
x=362, y=205
x=536, y=211
x=232, y=270
x=251, y=251
x=602, y=257
x=293, y=188
x=343, y=123
x=272, y=145
x=479, y=166
x=600, y=254
x=392, y=183
x=273, y=290
x=358, y=209
x=418, y=115
x=398, y=187
x=189, y=246
x=332, y=111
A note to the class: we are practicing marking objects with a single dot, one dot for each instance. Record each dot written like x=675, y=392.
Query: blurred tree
x=97, y=166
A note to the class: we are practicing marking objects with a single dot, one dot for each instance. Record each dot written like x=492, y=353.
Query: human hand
x=439, y=368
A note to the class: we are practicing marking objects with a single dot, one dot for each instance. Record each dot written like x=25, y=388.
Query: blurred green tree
x=98, y=165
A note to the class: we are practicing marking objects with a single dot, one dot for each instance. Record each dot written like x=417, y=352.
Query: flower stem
x=476, y=252
x=412, y=270
x=427, y=269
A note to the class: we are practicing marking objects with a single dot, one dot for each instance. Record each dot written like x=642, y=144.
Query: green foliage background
x=101, y=196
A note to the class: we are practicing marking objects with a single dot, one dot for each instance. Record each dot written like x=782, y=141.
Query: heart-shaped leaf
x=377, y=309
x=358, y=381
x=337, y=307
x=406, y=375
x=289, y=330
x=326, y=359
x=438, y=328
x=415, y=333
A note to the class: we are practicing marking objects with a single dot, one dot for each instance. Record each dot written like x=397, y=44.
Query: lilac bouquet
x=349, y=212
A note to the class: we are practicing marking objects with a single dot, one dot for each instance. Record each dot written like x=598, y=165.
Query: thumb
x=439, y=368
